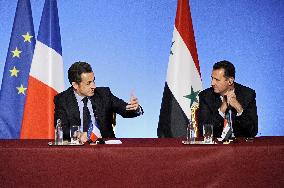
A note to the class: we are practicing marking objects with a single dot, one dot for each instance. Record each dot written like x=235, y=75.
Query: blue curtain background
x=127, y=42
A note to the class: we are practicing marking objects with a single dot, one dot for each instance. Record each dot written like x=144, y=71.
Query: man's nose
x=93, y=85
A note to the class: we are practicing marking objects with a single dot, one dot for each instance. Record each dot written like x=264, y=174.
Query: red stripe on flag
x=38, y=118
x=225, y=123
x=93, y=137
x=184, y=26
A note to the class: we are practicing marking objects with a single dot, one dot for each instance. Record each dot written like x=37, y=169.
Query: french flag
x=94, y=132
x=46, y=77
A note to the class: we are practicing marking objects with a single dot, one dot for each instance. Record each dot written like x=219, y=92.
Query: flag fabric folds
x=16, y=72
x=183, y=82
x=46, y=77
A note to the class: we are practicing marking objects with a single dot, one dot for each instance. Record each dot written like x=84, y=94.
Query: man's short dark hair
x=76, y=69
x=229, y=68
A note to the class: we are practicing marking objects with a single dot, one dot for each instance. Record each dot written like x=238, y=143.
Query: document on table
x=113, y=142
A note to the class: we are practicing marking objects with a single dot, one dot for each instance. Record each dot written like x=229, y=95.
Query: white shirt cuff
x=238, y=114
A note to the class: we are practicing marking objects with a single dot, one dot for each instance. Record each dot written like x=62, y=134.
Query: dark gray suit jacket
x=104, y=105
x=245, y=125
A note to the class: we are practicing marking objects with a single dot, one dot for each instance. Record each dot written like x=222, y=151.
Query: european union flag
x=16, y=72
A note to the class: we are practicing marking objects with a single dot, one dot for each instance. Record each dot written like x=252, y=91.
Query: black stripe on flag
x=172, y=119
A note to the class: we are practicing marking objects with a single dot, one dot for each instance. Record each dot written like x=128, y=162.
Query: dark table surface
x=143, y=162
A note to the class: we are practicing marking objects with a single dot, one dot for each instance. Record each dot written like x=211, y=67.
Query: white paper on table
x=228, y=142
x=220, y=139
x=113, y=142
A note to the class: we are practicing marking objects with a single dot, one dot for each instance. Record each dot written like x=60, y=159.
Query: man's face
x=219, y=82
x=87, y=85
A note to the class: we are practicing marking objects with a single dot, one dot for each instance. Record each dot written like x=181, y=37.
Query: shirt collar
x=78, y=97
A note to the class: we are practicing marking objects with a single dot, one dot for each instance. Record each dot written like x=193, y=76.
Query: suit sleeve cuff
x=139, y=110
x=239, y=114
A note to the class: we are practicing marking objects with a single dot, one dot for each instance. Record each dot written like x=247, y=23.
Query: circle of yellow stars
x=17, y=54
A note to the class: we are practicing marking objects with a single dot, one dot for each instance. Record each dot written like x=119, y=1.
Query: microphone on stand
x=229, y=117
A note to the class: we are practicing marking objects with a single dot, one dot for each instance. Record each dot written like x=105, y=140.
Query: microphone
x=229, y=116
x=229, y=106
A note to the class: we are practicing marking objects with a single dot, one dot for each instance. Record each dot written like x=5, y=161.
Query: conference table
x=143, y=162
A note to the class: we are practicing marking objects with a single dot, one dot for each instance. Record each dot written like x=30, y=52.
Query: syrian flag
x=227, y=129
x=183, y=82
x=46, y=77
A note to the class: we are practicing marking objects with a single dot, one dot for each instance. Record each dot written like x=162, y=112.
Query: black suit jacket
x=245, y=125
x=104, y=105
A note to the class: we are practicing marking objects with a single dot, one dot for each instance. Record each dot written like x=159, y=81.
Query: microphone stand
x=230, y=122
x=229, y=118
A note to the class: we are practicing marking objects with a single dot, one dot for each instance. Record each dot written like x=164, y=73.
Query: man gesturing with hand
x=90, y=107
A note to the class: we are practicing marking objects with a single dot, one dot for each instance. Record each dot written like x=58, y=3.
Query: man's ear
x=231, y=80
x=75, y=85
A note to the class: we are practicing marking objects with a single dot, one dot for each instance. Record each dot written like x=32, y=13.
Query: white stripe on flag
x=96, y=131
x=47, y=66
x=182, y=73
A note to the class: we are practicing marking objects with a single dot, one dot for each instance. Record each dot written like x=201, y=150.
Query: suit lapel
x=217, y=100
x=96, y=104
x=74, y=109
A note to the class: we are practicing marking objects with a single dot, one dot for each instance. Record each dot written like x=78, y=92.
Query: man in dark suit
x=101, y=103
x=226, y=94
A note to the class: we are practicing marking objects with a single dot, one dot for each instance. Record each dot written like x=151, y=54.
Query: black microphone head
x=229, y=108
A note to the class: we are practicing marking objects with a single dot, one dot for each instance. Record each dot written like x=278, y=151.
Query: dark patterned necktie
x=86, y=115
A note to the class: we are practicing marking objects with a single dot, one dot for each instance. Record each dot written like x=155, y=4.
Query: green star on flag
x=183, y=71
x=192, y=96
